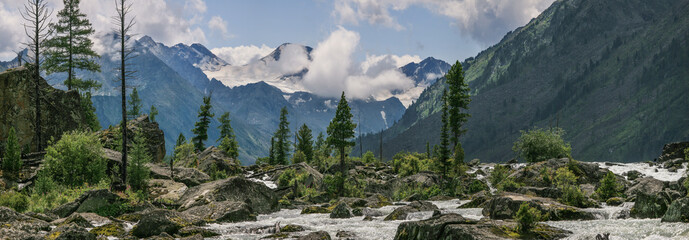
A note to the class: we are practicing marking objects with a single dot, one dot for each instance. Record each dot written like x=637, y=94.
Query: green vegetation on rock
x=538, y=145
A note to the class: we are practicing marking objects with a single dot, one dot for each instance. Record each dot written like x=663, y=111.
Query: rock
x=61, y=110
x=417, y=206
x=368, y=218
x=213, y=159
x=18, y=226
x=673, y=151
x=113, y=229
x=341, y=211
x=70, y=232
x=193, y=231
x=371, y=212
x=678, y=211
x=646, y=185
x=314, y=209
x=42, y=216
x=358, y=212
x=650, y=205
x=189, y=176
x=76, y=219
x=165, y=191
x=155, y=137
x=345, y=235
x=633, y=175
x=546, y=192
x=414, y=197
x=432, y=228
x=91, y=201
x=512, y=161
x=156, y=222
x=260, y=198
x=506, y=205
x=478, y=200
x=614, y=201
x=377, y=201
x=225, y=211
x=320, y=235
x=474, y=162
x=292, y=228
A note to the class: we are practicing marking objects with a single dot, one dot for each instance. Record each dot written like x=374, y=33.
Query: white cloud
x=219, y=25
x=376, y=63
x=11, y=31
x=293, y=58
x=242, y=55
x=483, y=20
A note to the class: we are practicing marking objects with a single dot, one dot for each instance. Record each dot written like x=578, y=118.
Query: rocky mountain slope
x=613, y=74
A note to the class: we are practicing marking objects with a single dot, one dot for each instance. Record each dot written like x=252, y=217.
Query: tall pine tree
x=305, y=142
x=71, y=48
x=134, y=104
x=458, y=103
x=282, y=142
x=181, y=140
x=444, y=154
x=340, y=133
x=153, y=113
x=271, y=158
x=228, y=142
x=201, y=127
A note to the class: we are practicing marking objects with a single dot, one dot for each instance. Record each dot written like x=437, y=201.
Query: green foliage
x=71, y=48
x=75, y=159
x=608, y=187
x=526, y=218
x=407, y=164
x=186, y=153
x=508, y=185
x=458, y=159
x=476, y=186
x=228, y=140
x=369, y=158
x=89, y=112
x=499, y=173
x=422, y=192
x=538, y=145
x=305, y=143
x=201, y=127
x=229, y=146
x=565, y=177
x=352, y=187
x=51, y=195
x=12, y=159
x=572, y=195
x=15, y=200
x=444, y=152
x=340, y=132
x=216, y=174
x=137, y=170
x=458, y=101
x=298, y=157
x=134, y=104
x=153, y=113
x=44, y=184
x=282, y=143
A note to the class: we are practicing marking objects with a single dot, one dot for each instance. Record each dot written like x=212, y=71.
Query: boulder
x=70, y=231
x=633, y=175
x=314, y=209
x=165, y=191
x=260, y=198
x=91, y=201
x=417, y=206
x=189, y=176
x=646, y=185
x=213, y=159
x=320, y=235
x=155, y=222
x=341, y=211
x=226, y=211
x=17, y=226
x=474, y=162
x=478, y=200
x=155, y=137
x=506, y=205
x=377, y=201
x=113, y=229
x=673, y=151
x=546, y=192
x=650, y=205
x=678, y=211
x=614, y=201
x=197, y=231
x=587, y=173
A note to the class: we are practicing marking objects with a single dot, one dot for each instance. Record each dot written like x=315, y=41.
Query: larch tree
x=228, y=141
x=36, y=17
x=181, y=140
x=201, y=127
x=124, y=23
x=282, y=142
x=458, y=103
x=340, y=133
x=134, y=104
x=153, y=113
x=444, y=153
x=305, y=142
x=71, y=48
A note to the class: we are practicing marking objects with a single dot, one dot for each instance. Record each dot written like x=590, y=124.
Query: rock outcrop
x=341, y=211
x=155, y=138
x=90, y=201
x=260, y=198
x=159, y=221
x=678, y=211
x=673, y=151
x=506, y=205
x=189, y=176
x=401, y=213
x=225, y=211
x=19, y=226
x=650, y=205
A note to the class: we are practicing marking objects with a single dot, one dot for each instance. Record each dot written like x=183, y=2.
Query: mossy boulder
x=320, y=235
x=292, y=228
x=16, y=225
x=94, y=201
x=226, y=211
x=341, y=211
x=314, y=209
x=155, y=222
x=614, y=201
x=260, y=198
x=113, y=229
x=650, y=205
x=506, y=205
x=401, y=213
x=678, y=211
x=70, y=232
x=193, y=230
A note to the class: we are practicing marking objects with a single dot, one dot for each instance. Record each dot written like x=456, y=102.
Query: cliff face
x=60, y=110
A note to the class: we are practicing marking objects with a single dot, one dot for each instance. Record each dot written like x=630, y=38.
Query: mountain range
x=613, y=74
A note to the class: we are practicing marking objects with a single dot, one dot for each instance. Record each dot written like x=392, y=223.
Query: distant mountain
x=427, y=71
x=613, y=74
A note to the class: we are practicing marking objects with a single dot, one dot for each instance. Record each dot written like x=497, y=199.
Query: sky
x=242, y=31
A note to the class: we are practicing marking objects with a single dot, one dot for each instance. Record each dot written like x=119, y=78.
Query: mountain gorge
x=612, y=74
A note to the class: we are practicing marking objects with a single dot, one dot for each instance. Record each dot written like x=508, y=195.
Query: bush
x=539, y=145
x=477, y=186
x=573, y=196
x=527, y=217
x=75, y=159
x=353, y=187
x=369, y=158
x=564, y=177
x=498, y=174
x=608, y=187
x=407, y=164
x=298, y=157
x=12, y=159
x=216, y=174
x=15, y=200
x=185, y=155
x=137, y=171
x=411, y=189
x=508, y=185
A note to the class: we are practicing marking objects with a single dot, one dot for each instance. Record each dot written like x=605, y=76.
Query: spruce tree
x=340, y=133
x=71, y=48
x=201, y=127
x=228, y=141
x=271, y=156
x=458, y=102
x=137, y=170
x=180, y=141
x=134, y=104
x=305, y=142
x=444, y=153
x=282, y=139
x=124, y=24
x=89, y=111
x=12, y=159
x=153, y=113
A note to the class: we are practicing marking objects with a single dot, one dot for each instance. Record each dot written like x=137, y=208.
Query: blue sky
x=446, y=29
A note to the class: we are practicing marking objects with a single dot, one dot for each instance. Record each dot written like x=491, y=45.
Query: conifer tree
x=124, y=24
x=37, y=28
x=271, y=156
x=305, y=142
x=228, y=141
x=282, y=141
x=340, y=133
x=180, y=141
x=11, y=160
x=134, y=104
x=71, y=48
x=444, y=153
x=458, y=102
x=153, y=113
x=201, y=127
x=89, y=111
x=138, y=171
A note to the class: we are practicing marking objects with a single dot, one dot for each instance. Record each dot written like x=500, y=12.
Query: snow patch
x=385, y=120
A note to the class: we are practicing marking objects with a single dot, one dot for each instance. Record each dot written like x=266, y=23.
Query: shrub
x=75, y=159
x=498, y=174
x=137, y=171
x=369, y=158
x=477, y=186
x=15, y=200
x=298, y=157
x=216, y=174
x=185, y=155
x=353, y=187
x=564, y=177
x=608, y=187
x=527, y=217
x=407, y=164
x=573, y=196
x=538, y=145
x=508, y=185
x=12, y=159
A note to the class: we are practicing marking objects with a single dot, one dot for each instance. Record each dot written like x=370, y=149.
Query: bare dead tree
x=124, y=24
x=37, y=28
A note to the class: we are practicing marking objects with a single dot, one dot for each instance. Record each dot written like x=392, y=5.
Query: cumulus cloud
x=332, y=70
x=293, y=58
x=219, y=25
x=168, y=25
x=483, y=20
x=374, y=63
x=242, y=55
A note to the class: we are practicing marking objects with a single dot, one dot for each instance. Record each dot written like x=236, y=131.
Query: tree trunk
x=343, y=171
x=123, y=169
